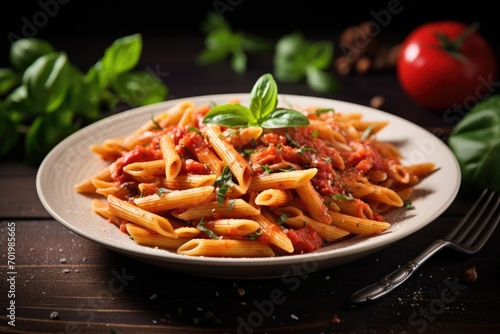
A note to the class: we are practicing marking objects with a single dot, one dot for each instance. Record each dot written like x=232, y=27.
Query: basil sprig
x=44, y=97
x=263, y=110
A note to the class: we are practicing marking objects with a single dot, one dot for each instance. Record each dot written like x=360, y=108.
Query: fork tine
x=490, y=222
x=452, y=235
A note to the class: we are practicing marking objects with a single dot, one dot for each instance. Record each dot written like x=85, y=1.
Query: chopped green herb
x=326, y=159
x=248, y=153
x=266, y=169
x=407, y=205
x=282, y=218
x=195, y=130
x=162, y=191
x=223, y=182
x=254, y=235
x=231, y=204
x=338, y=197
x=315, y=133
x=290, y=139
x=156, y=124
x=209, y=232
x=367, y=133
x=304, y=148
x=323, y=111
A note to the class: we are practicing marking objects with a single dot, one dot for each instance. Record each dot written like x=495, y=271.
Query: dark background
x=65, y=22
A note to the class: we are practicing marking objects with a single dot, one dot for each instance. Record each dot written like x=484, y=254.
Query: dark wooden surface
x=94, y=290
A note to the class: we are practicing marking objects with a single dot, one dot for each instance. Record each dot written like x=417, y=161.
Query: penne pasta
x=174, y=199
x=283, y=180
x=225, y=248
x=231, y=158
x=146, y=219
x=171, y=158
x=178, y=184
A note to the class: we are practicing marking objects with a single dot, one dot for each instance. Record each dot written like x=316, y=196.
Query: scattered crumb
x=294, y=317
x=63, y=260
x=66, y=271
x=241, y=291
x=54, y=315
x=336, y=319
x=470, y=275
x=153, y=296
x=377, y=101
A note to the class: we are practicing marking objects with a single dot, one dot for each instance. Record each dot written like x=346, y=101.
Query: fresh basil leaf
x=264, y=96
x=18, y=101
x=475, y=141
x=288, y=63
x=8, y=80
x=25, y=51
x=321, y=81
x=229, y=115
x=122, y=56
x=320, y=54
x=47, y=80
x=139, y=88
x=210, y=56
x=239, y=62
x=45, y=133
x=283, y=118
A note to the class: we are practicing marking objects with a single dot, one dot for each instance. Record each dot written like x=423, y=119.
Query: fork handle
x=391, y=281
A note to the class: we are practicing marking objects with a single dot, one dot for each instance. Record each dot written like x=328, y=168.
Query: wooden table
x=64, y=283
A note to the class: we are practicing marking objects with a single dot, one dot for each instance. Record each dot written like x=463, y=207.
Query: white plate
x=72, y=161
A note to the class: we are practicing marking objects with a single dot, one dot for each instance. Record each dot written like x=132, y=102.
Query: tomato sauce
x=305, y=239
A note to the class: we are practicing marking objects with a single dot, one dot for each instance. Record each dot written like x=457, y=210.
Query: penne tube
x=187, y=232
x=230, y=208
x=297, y=219
x=244, y=136
x=272, y=233
x=169, y=117
x=86, y=186
x=145, y=168
x=385, y=195
x=188, y=181
x=174, y=199
x=273, y=197
x=110, y=149
x=314, y=203
x=171, y=158
x=354, y=207
x=357, y=225
x=146, y=219
x=283, y=180
x=232, y=227
x=231, y=158
x=145, y=237
x=225, y=248
x=398, y=173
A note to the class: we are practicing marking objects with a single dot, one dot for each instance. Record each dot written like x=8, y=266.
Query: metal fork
x=468, y=236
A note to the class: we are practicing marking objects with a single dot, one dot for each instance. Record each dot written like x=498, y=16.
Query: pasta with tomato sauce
x=209, y=190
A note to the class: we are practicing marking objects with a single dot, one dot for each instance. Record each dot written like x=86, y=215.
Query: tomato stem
x=453, y=46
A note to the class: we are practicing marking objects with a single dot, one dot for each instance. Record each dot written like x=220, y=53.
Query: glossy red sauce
x=305, y=239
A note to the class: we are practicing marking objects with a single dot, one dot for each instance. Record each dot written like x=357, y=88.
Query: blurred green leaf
x=47, y=80
x=140, y=88
x=25, y=51
x=8, y=80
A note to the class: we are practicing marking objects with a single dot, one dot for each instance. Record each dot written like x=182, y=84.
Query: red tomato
x=446, y=64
